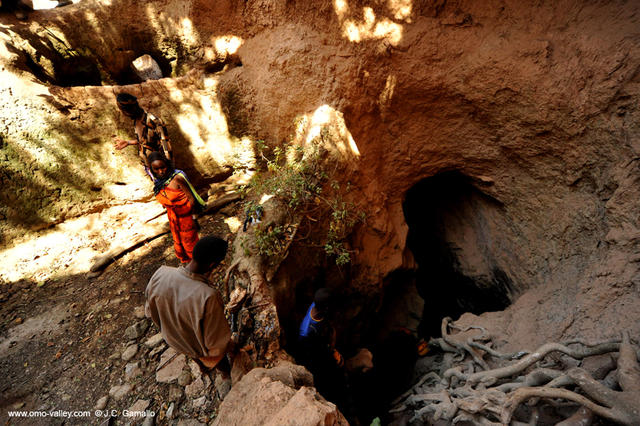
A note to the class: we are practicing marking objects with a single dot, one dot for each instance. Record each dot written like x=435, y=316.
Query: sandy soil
x=62, y=333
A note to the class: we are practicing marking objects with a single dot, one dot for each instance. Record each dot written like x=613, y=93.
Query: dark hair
x=322, y=299
x=155, y=156
x=158, y=156
x=126, y=98
x=128, y=104
x=210, y=250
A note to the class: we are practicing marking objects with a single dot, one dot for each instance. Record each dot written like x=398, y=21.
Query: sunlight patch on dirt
x=233, y=223
x=71, y=247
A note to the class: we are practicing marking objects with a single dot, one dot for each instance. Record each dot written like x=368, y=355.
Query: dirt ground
x=62, y=333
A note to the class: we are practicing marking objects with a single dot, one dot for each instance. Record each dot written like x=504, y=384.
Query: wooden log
x=105, y=260
x=219, y=203
x=153, y=232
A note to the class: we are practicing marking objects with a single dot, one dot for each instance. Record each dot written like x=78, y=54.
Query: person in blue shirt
x=316, y=348
x=316, y=333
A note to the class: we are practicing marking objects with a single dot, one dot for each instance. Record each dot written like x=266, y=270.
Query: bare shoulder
x=178, y=182
x=180, y=179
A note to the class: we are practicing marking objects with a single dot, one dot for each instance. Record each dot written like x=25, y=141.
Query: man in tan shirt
x=187, y=309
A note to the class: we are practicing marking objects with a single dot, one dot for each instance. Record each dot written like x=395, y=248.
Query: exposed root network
x=518, y=385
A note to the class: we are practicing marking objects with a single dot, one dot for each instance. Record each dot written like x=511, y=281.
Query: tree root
x=621, y=407
x=536, y=356
x=430, y=375
x=582, y=417
x=461, y=346
x=463, y=394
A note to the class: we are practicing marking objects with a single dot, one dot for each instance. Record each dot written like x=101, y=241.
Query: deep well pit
x=487, y=153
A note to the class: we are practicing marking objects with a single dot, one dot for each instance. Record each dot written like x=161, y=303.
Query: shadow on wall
x=61, y=157
x=49, y=169
x=456, y=236
x=91, y=44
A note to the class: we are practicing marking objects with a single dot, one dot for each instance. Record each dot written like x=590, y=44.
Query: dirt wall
x=536, y=104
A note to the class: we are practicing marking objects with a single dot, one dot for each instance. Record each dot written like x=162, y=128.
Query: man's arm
x=165, y=142
x=123, y=143
x=215, y=329
x=161, y=129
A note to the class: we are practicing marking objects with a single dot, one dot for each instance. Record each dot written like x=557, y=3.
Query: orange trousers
x=183, y=227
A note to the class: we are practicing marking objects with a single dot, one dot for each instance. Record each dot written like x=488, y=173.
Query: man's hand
x=338, y=358
x=121, y=143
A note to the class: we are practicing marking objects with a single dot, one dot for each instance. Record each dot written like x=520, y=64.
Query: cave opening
x=454, y=236
x=459, y=240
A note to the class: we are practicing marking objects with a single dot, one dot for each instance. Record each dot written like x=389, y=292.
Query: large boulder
x=277, y=396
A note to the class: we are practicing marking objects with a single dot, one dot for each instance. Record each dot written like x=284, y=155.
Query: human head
x=208, y=253
x=128, y=104
x=160, y=167
x=322, y=300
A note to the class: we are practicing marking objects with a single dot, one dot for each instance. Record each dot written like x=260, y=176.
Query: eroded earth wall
x=536, y=103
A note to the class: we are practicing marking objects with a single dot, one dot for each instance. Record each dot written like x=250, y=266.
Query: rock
x=194, y=389
x=222, y=385
x=169, y=413
x=228, y=211
x=114, y=356
x=242, y=364
x=283, y=395
x=149, y=420
x=132, y=370
x=129, y=353
x=102, y=403
x=185, y=378
x=206, y=381
x=199, y=403
x=147, y=68
x=175, y=393
x=136, y=330
x=119, y=392
x=195, y=369
x=173, y=369
x=157, y=350
x=305, y=409
x=140, y=406
x=154, y=340
x=138, y=312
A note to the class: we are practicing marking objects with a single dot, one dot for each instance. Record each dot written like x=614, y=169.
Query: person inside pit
x=317, y=352
x=151, y=132
x=189, y=311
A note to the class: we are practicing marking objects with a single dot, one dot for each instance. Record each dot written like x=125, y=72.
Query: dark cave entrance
x=454, y=235
x=459, y=238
